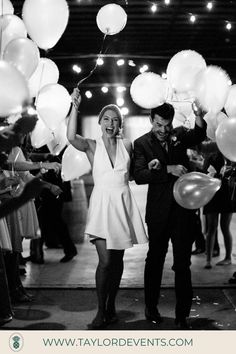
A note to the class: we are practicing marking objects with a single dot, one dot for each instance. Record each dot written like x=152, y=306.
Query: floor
x=65, y=296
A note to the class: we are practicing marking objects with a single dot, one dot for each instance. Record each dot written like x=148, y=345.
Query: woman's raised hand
x=76, y=98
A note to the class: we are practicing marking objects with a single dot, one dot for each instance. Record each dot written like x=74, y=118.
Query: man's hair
x=165, y=111
x=113, y=108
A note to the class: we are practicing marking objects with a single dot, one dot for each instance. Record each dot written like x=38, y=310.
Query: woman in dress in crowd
x=114, y=222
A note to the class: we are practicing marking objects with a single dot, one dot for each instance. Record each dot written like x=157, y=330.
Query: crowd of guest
x=27, y=179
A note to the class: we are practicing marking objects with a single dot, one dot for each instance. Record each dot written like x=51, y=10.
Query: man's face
x=161, y=127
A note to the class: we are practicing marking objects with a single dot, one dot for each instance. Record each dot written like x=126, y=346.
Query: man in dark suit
x=160, y=157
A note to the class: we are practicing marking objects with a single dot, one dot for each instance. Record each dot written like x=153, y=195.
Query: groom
x=160, y=157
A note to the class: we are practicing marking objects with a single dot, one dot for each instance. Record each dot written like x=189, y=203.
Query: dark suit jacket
x=160, y=198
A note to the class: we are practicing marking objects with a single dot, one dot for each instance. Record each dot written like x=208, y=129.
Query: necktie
x=165, y=145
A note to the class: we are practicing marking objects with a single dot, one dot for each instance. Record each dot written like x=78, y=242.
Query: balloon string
x=96, y=64
x=40, y=82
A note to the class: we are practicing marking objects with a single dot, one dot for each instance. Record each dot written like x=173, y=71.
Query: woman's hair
x=113, y=108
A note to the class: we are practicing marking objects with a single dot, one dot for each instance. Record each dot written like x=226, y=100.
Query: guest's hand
x=55, y=190
x=177, y=170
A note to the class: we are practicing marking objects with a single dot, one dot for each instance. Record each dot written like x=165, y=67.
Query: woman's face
x=110, y=123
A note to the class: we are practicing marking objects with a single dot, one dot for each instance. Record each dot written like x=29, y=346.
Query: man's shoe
x=68, y=257
x=182, y=324
x=153, y=315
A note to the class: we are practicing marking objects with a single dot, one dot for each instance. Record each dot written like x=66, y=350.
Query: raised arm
x=76, y=140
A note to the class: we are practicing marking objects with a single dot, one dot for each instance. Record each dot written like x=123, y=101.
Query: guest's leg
x=212, y=223
x=5, y=303
x=225, y=221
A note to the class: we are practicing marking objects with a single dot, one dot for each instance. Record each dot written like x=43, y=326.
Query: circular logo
x=16, y=342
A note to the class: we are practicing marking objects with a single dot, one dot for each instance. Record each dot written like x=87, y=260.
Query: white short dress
x=113, y=214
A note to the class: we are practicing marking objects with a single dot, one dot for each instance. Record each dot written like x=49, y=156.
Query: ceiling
x=148, y=38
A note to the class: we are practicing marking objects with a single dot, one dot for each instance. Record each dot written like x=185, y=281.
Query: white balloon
x=24, y=54
x=6, y=8
x=46, y=73
x=225, y=138
x=14, y=92
x=213, y=120
x=111, y=19
x=45, y=20
x=230, y=105
x=182, y=69
x=53, y=104
x=59, y=141
x=211, y=88
x=41, y=134
x=148, y=90
x=74, y=164
x=11, y=27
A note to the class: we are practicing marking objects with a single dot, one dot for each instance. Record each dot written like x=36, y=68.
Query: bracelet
x=41, y=164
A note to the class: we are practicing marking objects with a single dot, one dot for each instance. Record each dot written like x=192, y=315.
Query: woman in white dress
x=114, y=222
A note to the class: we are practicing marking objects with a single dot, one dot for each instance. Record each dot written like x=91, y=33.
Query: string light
x=120, y=101
x=88, y=94
x=164, y=76
x=104, y=89
x=192, y=18
x=120, y=62
x=154, y=7
x=131, y=63
x=209, y=5
x=228, y=26
x=143, y=68
x=124, y=111
x=167, y=2
x=76, y=68
x=100, y=61
x=121, y=89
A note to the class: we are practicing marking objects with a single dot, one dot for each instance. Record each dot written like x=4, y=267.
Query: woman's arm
x=77, y=140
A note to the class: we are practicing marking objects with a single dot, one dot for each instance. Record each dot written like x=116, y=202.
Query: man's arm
x=142, y=174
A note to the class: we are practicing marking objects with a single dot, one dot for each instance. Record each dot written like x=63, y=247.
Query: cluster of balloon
x=148, y=90
x=195, y=189
x=182, y=69
x=225, y=138
x=74, y=164
x=45, y=21
x=212, y=88
x=111, y=19
x=21, y=69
